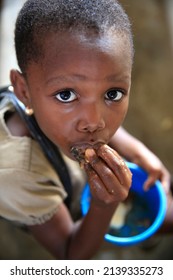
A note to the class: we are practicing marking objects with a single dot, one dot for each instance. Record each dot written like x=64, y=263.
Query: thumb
x=149, y=182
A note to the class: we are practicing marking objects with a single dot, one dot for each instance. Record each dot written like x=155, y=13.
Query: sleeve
x=28, y=198
x=30, y=189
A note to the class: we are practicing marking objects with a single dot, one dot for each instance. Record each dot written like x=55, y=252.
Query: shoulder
x=16, y=125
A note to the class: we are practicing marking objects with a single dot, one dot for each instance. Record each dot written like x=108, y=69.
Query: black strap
x=50, y=150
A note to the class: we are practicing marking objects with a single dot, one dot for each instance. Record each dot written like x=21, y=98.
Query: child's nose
x=91, y=119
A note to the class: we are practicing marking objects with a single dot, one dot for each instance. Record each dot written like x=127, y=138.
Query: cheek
x=57, y=127
x=116, y=118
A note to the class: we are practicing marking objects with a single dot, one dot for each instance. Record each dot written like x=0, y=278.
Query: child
x=75, y=59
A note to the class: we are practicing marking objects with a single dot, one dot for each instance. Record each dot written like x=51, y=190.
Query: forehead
x=76, y=59
x=77, y=54
x=76, y=43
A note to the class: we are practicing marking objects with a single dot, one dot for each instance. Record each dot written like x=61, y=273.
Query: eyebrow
x=62, y=78
x=117, y=78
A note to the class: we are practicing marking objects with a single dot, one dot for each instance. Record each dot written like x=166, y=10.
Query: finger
x=116, y=163
x=149, y=182
x=164, y=178
x=97, y=188
x=107, y=176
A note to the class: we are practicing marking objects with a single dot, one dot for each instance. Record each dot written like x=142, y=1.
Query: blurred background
x=150, y=115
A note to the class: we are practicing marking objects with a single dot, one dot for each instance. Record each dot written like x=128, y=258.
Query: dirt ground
x=150, y=118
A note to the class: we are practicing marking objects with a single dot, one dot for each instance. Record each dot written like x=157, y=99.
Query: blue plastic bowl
x=155, y=200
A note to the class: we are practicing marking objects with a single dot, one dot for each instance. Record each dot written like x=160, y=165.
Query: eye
x=114, y=95
x=66, y=96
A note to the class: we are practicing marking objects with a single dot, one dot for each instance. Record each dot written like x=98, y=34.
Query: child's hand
x=155, y=168
x=135, y=151
x=108, y=175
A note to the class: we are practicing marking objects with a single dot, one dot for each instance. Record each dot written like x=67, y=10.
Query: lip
x=87, y=145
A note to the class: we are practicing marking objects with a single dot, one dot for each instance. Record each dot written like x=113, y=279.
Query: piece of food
x=132, y=217
x=79, y=155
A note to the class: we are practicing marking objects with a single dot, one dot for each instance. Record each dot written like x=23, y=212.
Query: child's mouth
x=78, y=151
x=78, y=154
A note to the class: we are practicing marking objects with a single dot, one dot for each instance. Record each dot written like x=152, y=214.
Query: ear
x=20, y=87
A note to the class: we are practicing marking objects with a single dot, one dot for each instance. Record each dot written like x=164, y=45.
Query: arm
x=65, y=239
x=135, y=151
x=109, y=181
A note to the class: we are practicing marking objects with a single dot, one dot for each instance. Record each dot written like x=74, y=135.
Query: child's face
x=80, y=89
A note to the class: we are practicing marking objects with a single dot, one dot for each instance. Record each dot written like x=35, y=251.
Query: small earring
x=29, y=111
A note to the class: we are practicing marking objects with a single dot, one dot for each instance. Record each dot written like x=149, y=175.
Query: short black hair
x=38, y=18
